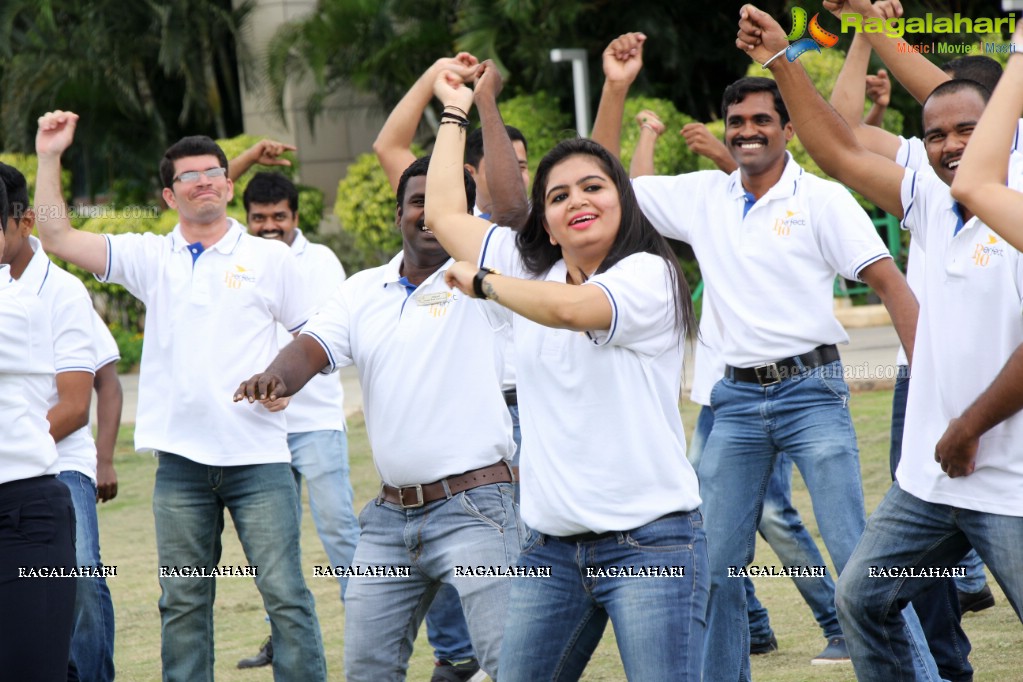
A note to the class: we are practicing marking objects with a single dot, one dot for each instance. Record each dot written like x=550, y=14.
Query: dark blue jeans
x=938, y=607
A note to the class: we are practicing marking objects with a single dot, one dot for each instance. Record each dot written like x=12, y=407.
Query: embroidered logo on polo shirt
x=982, y=252
x=783, y=226
x=240, y=275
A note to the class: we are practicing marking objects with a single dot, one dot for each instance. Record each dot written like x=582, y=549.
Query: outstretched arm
x=460, y=233
x=265, y=152
x=847, y=98
x=822, y=131
x=701, y=141
x=623, y=60
x=650, y=129
x=508, y=203
x=393, y=145
x=294, y=366
x=918, y=75
x=85, y=249
x=552, y=304
x=980, y=180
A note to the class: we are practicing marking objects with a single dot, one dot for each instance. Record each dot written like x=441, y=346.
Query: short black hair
x=269, y=188
x=474, y=144
x=737, y=92
x=959, y=85
x=984, y=70
x=419, y=167
x=193, y=145
x=17, y=191
x=3, y=208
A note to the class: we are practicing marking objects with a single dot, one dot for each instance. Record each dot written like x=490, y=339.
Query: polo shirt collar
x=5, y=277
x=392, y=272
x=785, y=187
x=225, y=244
x=299, y=243
x=38, y=267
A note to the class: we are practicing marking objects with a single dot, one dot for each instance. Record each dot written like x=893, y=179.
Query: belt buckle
x=770, y=375
x=419, y=496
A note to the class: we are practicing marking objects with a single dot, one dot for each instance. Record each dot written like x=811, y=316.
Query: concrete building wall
x=345, y=129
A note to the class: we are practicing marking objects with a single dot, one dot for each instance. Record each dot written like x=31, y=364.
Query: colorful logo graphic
x=817, y=39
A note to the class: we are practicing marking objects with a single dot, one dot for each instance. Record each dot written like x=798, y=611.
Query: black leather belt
x=511, y=397
x=773, y=373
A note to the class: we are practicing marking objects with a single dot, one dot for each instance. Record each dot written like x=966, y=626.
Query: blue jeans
x=92, y=637
x=477, y=527
x=188, y=502
x=321, y=458
x=782, y=527
x=807, y=417
x=555, y=623
x=937, y=607
x=906, y=531
x=446, y=629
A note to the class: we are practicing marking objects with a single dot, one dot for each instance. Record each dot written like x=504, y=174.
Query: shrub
x=541, y=121
x=365, y=206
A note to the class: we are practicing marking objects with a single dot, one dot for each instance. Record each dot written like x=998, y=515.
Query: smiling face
x=754, y=134
x=204, y=200
x=273, y=221
x=949, y=120
x=582, y=211
x=420, y=243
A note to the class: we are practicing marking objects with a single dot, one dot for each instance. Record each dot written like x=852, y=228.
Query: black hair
x=3, y=208
x=474, y=144
x=984, y=70
x=17, y=191
x=959, y=85
x=635, y=232
x=419, y=167
x=269, y=188
x=194, y=145
x=737, y=92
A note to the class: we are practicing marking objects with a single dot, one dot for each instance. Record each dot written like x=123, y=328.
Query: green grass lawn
x=128, y=542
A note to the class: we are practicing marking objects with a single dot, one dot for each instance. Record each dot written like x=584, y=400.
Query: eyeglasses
x=189, y=177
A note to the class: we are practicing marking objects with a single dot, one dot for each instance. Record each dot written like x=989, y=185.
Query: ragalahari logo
x=817, y=39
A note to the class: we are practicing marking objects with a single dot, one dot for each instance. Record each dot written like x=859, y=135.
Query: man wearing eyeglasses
x=213, y=297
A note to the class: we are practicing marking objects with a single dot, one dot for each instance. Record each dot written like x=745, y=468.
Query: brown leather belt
x=413, y=496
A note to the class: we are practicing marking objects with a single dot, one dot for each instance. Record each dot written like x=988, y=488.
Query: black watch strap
x=477, y=281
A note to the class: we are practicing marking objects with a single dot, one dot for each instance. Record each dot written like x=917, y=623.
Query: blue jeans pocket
x=672, y=534
x=488, y=503
x=532, y=540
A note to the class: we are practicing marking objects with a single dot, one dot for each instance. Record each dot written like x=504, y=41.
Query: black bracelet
x=458, y=109
x=477, y=281
x=460, y=120
x=463, y=126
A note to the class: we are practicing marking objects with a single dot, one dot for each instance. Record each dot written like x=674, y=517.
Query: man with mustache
x=770, y=239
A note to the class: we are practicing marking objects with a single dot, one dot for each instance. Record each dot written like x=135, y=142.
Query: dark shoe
x=264, y=657
x=466, y=671
x=976, y=601
x=835, y=652
x=765, y=646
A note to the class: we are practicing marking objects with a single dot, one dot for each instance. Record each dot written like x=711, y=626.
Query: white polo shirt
x=602, y=441
x=320, y=405
x=708, y=367
x=106, y=345
x=74, y=348
x=430, y=369
x=773, y=270
x=26, y=382
x=210, y=323
x=971, y=320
